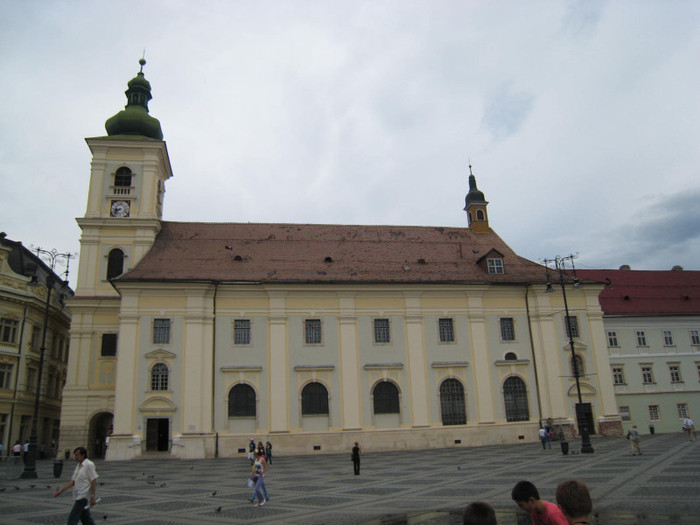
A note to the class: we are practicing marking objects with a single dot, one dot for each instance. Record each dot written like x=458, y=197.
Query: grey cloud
x=505, y=111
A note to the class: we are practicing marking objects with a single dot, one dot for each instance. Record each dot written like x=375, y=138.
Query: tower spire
x=134, y=118
x=475, y=206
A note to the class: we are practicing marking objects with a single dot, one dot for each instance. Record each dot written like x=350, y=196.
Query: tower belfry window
x=122, y=178
x=115, y=263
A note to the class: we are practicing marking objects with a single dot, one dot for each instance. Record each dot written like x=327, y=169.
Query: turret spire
x=134, y=119
x=475, y=206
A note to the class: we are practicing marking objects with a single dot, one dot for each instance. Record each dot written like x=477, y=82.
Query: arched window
x=579, y=365
x=515, y=397
x=122, y=177
x=241, y=401
x=510, y=356
x=480, y=215
x=452, y=406
x=159, y=377
x=115, y=263
x=314, y=400
x=386, y=398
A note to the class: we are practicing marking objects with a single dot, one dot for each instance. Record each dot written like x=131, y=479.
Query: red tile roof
x=312, y=253
x=637, y=292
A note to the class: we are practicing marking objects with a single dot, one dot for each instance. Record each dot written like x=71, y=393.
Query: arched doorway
x=101, y=426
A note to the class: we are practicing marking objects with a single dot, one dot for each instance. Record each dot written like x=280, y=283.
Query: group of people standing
x=260, y=457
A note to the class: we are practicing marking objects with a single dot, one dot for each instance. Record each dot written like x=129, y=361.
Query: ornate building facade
x=24, y=308
x=194, y=337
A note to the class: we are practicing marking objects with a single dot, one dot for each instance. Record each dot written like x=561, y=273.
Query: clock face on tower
x=120, y=209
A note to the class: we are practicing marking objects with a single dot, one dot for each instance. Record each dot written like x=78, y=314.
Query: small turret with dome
x=134, y=118
x=475, y=206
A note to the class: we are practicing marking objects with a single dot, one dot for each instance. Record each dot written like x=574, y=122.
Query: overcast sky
x=581, y=118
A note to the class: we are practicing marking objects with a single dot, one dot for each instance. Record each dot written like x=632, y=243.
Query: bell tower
x=477, y=216
x=125, y=200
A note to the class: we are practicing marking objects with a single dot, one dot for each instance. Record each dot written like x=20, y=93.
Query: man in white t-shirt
x=689, y=428
x=84, y=483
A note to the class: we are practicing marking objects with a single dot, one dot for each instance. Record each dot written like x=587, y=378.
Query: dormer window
x=495, y=265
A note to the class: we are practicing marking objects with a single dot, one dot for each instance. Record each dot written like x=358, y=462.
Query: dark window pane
x=515, y=397
x=452, y=404
x=241, y=401
x=386, y=398
x=314, y=400
x=109, y=345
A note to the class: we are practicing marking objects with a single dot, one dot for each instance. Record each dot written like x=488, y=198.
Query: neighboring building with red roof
x=652, y=324
x=193, y=337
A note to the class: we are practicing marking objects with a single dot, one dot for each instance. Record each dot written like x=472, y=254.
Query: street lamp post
x=50, y=280
x=559, y=265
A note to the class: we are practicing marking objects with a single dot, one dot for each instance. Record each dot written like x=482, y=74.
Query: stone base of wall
x=610, y=428
x=123, y=446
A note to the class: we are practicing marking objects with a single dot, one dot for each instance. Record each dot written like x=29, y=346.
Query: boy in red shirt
x=527, y=497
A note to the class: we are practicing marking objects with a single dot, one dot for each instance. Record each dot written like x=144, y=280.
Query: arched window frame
x=453, y=405
x=385, y=396
x=314, y=399
x=160, y=377
x=242, y=401
x=515, y=399
x=115, y=263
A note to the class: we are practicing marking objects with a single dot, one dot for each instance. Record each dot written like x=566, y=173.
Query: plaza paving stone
x=424, y=487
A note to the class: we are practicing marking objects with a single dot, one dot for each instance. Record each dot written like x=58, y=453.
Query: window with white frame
x=507, y=329
x=495, y=265
x=641, y=338
x=654, y=413
x=668, y=338
x=159, y=377
x=241, y=331
x=682, y=410
x=161, y=331
x=8, y=330
x=625, y=413
x=571, y=323
x=312, y=331
x=647, y=375
x=612, y=338
x=381, y=331
x=695, y=337
x=446, y=329
x=5, y=376
x=618, y=376
x=675, y=372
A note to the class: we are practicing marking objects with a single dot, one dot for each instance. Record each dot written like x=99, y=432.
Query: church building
x=192, y=338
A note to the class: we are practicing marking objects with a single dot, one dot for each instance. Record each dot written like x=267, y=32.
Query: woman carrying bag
x=258, y=477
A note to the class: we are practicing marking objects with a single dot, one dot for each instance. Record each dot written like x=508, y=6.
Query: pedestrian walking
x=258, y=476
x=251, y=451
x=356, y=458
x=633, y=436
x=268, y=453
x=84, y=483
x=689, y=427
x=545, y=439
x=17, y=449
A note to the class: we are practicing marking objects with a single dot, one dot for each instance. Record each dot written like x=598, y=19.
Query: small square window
x=161, y=331
x=612, y=338
x=495, y=265
x=675, y=372
x=668, y=338
x=571, y=323
x=625, y=413
x=654, y=413
x=446, y=329
x=695, y=337
x=381, y=331
x=641, y=338
x=507, y=329
x=313, y=331
x=618, y=376
x=109, y=345
x=241, y=331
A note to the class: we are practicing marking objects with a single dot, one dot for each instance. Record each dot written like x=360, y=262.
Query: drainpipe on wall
x=532, y=349
x=213, y=369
